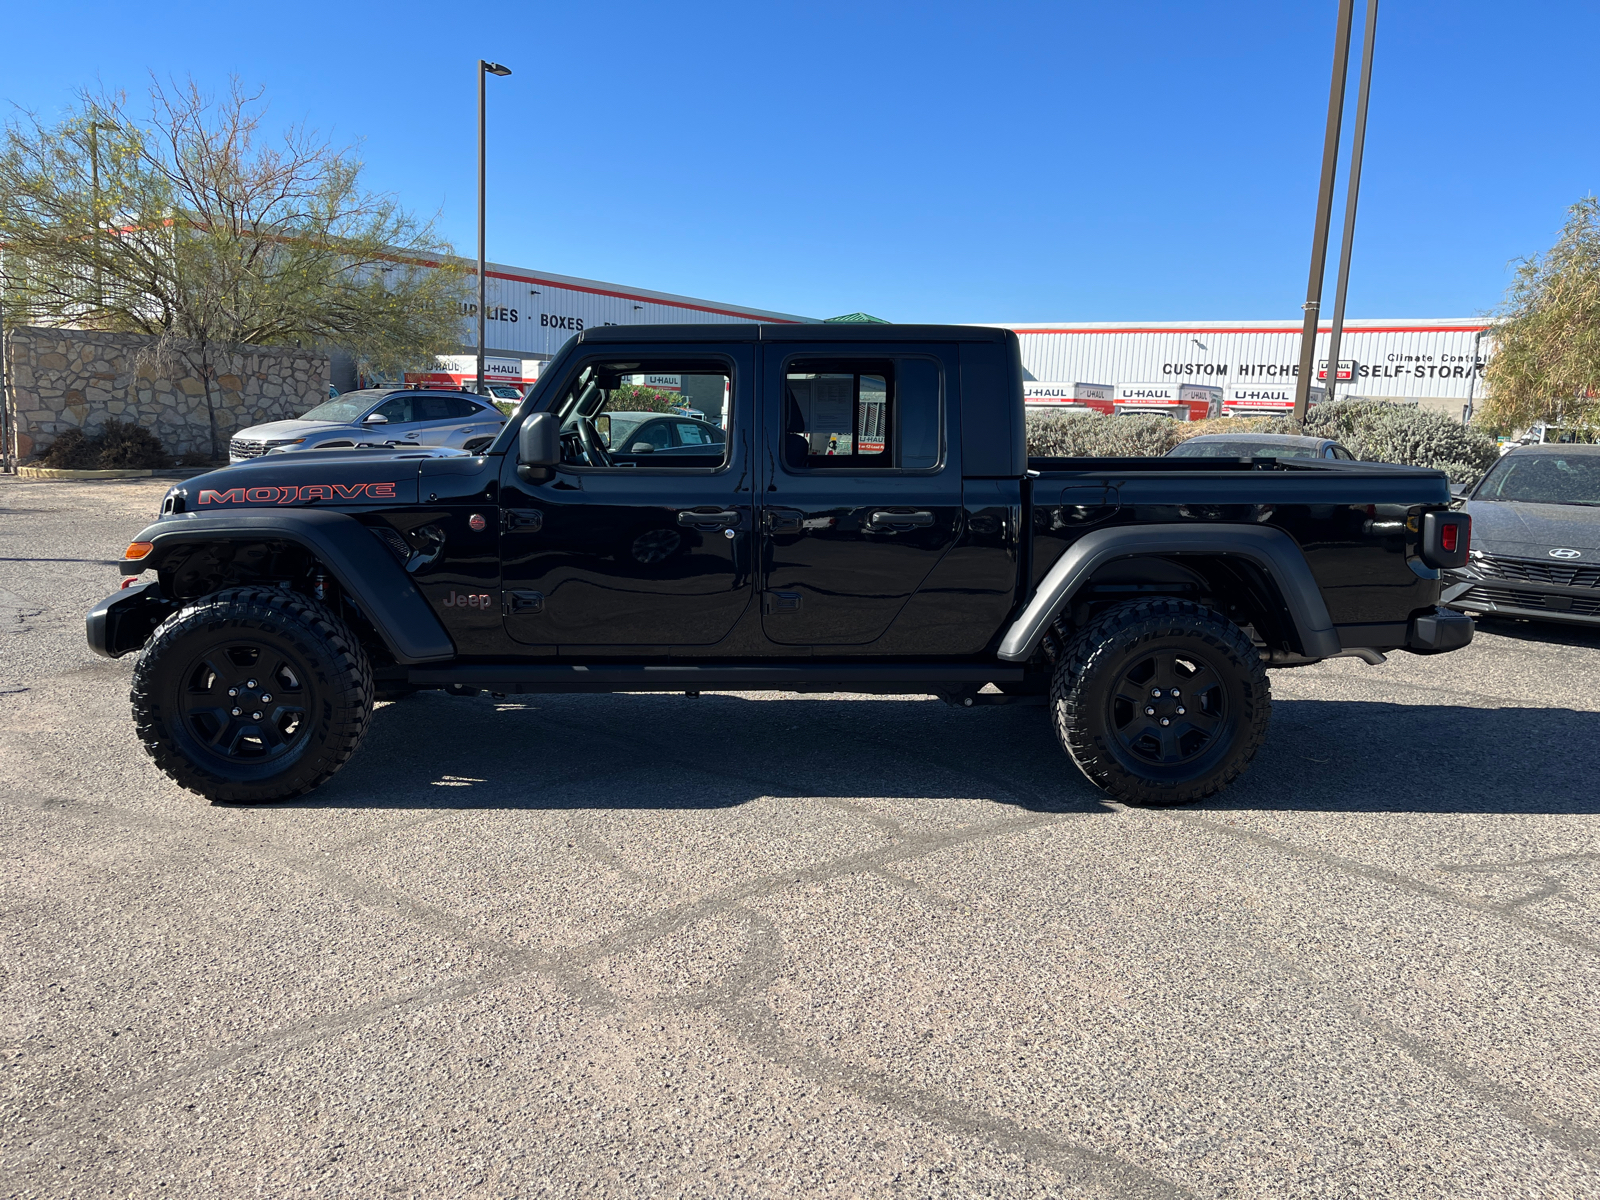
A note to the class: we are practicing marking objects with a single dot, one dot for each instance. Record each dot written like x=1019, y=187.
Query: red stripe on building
x=572, y=287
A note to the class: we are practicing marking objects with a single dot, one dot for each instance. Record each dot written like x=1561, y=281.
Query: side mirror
x=642, y=448
x=376, y=419
x=539, y=441
x=1461, y=491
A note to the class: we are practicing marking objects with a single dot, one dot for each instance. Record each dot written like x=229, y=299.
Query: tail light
x=1446, y=538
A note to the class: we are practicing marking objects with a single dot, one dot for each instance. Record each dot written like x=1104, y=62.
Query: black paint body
x=756, y=561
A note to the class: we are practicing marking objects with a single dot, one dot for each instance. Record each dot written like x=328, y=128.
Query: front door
x=623, y=546
x=862, y=495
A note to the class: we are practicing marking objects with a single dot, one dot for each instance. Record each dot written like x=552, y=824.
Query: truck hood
x=343, y=479
x=1521, y=530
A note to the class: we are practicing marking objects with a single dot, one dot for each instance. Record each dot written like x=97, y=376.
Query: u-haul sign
x=1039, y=392
x=1146, y=393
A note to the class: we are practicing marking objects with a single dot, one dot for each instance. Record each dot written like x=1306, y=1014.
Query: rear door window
x=851, y=415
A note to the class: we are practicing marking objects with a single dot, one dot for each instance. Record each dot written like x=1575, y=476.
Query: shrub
x=633, y=397
x=127, y=445
x=1085, y=435
x=71, y=451
x=118, y=446
x=1381, y=431
x=1374, y=430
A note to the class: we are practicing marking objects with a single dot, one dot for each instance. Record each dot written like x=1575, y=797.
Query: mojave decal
x=299, y=495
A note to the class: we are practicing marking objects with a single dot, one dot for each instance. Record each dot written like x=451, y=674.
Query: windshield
x=1241, y=449
x=346, y=408
x=620, y=426
x=1543, y=479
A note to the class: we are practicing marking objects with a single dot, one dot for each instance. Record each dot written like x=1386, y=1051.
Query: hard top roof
x=756, y=332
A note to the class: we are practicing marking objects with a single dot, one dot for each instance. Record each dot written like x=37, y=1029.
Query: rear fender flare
x=1272, y=550
x=366, y=570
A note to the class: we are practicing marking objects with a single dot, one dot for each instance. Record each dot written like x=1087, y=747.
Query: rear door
x=861, y=495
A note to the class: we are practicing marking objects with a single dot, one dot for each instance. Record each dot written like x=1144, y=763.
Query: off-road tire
x=328, y=677
x=1093, y=675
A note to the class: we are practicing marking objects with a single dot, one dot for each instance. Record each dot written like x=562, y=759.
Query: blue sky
x=923, y=162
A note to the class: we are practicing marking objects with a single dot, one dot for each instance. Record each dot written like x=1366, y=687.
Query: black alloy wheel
x=1169, y=707
x=252, y=694
x=1161, y=701
x=245, y=701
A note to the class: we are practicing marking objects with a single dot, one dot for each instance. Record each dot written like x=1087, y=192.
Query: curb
x=59, y=473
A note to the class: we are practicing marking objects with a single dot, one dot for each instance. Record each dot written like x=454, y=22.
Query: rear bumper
x=1518, y=598
x=1439, y=632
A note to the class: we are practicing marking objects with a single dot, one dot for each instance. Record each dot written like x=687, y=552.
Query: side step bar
x=522, y=679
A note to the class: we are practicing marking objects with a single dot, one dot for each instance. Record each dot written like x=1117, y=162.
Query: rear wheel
x=252, y=694
x=1161, y=701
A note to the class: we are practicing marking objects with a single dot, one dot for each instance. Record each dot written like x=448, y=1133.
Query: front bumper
x=124, y=620
x=1528, y=599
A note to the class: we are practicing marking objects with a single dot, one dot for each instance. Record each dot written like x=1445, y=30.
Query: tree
x=191, y=226
x=633, y=397
x=1546, y=365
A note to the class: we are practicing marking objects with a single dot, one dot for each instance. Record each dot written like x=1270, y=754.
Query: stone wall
x=62, y=379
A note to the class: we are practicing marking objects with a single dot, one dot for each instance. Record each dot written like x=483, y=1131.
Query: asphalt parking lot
x=769, y=945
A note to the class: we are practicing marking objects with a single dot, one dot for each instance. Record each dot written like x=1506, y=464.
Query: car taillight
x=1445, y=539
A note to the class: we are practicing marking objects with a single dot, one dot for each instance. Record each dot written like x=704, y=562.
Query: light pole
x=1352, y=190
x=485, y=69
x=1319, y=236
x=94, y=205
x=1472, y=379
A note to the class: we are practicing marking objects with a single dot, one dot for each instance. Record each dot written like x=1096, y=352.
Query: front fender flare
x=1272, y=550
x=365, y=569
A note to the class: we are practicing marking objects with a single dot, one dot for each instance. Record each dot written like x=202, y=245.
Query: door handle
x=717, y=519
x=524, y=520
x=883, y=519
x=522, y=603
x=780, y=520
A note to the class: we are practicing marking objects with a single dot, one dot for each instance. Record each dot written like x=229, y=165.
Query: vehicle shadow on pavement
x=656, y=751
x=1361, y=756
x=618, y=752
x=1550, y=633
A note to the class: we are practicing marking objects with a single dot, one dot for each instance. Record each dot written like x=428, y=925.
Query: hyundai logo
x=1563, y=552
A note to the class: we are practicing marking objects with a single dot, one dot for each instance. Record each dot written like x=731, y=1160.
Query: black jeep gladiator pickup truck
x=861, y=517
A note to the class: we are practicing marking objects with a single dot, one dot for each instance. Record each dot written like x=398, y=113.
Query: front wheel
x=1161, y=701
x=252, y=694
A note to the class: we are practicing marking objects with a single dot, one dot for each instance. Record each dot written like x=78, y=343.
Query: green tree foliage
x=191, y=225
x=633, y=397
x=1546, y=364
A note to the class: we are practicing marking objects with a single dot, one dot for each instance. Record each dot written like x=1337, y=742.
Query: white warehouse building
x=1433, y=362
x=528, y=313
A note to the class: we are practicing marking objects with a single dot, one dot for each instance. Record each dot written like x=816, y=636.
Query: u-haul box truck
x=506, y=378
x=1263, y=399
x=1039, y=397
x=1180, y=401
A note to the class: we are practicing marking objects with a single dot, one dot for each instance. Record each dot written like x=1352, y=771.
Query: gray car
x=1535, y=537
x=1258, y=445
x=375, y=416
